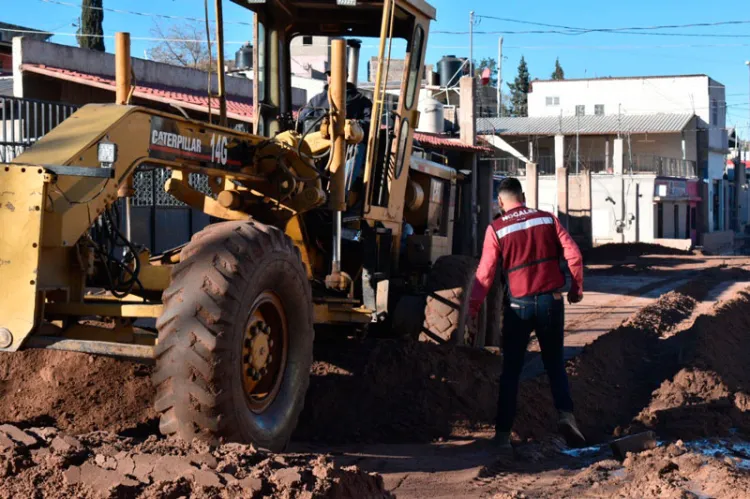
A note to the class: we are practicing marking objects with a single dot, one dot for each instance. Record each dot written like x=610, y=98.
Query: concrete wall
x=718, y=243
x=28, y=51
x=633, y=207
x=628, y=95
x=312, y=57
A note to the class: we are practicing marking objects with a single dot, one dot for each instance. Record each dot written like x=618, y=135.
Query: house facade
x=695, y=94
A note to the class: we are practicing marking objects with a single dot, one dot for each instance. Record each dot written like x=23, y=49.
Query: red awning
x=238, y=108
x=446, y=143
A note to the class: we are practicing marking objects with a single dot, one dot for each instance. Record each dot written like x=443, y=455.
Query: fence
x=660, y=165
x=24, y=121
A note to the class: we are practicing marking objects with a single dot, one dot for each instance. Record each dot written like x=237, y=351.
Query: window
x=553, y=101
x=714, y=112
x=307, y=40
x=599, y=110
x=580, y=110
x=403, y=136
x=415, y=63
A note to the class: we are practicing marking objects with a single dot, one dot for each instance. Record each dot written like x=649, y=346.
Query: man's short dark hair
x=510, y=186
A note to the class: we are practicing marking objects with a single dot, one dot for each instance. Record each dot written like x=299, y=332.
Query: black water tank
x=449, y=70
x=243, y=58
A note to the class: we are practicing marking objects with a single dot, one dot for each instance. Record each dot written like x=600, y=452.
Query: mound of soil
x=611, y=253
x=709, y=394
x=396, y=391
x=75, y=392
x=673, y=471
x=42, y=462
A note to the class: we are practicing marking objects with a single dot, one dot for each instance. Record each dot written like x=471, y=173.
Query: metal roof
x=585, y=125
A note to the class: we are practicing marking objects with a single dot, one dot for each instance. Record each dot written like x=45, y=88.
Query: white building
x=310, y=55
x=693, y=94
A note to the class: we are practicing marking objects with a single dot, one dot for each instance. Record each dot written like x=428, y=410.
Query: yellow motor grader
x=300, y=243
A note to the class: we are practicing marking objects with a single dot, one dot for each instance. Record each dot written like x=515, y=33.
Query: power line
x=575, y=29
x=140, y=38
x=142, y=14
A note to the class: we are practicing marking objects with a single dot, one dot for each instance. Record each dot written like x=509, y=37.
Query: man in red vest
x=526, y=245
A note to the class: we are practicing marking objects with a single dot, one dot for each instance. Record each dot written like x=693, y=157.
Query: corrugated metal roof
x=585, y=125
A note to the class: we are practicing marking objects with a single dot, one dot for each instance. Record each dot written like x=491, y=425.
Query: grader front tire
x=448, y=288
x=235, y=338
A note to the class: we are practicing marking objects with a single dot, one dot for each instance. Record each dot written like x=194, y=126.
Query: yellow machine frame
x=52, y=194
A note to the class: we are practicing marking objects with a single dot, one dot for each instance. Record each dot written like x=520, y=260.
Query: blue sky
x=587, y=55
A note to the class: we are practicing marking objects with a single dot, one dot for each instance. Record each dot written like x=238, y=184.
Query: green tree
x=519, y=90
x=90, y=23
x=559, y=73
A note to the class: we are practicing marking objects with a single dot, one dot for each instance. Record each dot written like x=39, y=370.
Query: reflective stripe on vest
x=528, y=224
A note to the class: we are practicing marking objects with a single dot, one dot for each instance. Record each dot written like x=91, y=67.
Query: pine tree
x=90, y=23
x=519, y=90
x=559, y=73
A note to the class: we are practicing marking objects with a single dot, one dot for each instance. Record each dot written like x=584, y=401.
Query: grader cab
x=301, y=244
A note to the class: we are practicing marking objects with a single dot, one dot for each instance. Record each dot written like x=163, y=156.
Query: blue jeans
x=544, y=314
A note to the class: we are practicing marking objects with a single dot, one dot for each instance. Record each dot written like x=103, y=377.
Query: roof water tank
x=449, y=68
x=243, y=58
x=431, y=116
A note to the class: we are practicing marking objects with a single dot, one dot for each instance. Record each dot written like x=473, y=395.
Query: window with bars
x=580, y=110
x=599, y=109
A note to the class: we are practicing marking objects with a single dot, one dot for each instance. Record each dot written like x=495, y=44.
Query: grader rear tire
x=448, y=287
x=235, y=338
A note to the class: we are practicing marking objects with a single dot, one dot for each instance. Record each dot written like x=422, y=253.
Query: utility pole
x=471, y=44
x=578, y=142
x=747, y=135
x=500, y=77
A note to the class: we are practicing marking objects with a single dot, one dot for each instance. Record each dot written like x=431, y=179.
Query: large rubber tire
x=448, y=287
x=202, y=332
x=495, y=306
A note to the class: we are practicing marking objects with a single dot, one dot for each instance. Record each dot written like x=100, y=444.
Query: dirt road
x=659, y=344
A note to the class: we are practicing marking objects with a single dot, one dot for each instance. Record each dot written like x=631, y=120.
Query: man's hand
x=574, y=296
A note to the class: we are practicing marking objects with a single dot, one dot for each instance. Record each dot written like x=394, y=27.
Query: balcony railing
x=660, y=165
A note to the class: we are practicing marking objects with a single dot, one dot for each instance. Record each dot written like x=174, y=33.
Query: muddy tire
x=235, y=338
x=448, y=288
x=495, y=306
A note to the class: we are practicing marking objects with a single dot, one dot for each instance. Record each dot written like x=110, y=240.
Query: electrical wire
x=611, y=30
x=142, y=14
x=106, y=239
x=84, y=201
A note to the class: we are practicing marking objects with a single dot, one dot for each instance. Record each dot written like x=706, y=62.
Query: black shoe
x=501, y=445
x=569, y=428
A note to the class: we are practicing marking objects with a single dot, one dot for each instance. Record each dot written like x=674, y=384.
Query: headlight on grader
x=107, y=154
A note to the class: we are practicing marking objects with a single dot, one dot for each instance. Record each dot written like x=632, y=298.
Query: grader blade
x=22, y=197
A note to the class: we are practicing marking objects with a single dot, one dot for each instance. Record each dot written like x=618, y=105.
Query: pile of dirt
x=670, y=471
x=397, y=391
x=612, y=253
x=43, y=462
x=708, y=396
x=75, y=392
